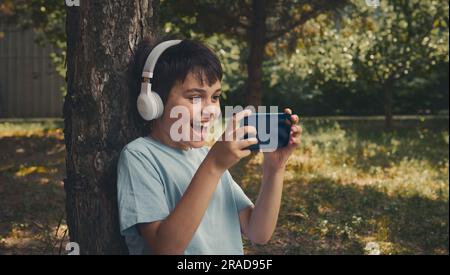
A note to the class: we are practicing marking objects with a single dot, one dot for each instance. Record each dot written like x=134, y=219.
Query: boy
x=177, y=197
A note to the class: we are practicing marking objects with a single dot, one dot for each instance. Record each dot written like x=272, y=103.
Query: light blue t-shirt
x=153, y=177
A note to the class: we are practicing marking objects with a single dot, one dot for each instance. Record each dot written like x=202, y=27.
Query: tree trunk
x=101, y=37
x=255, y=60
x=388, y=106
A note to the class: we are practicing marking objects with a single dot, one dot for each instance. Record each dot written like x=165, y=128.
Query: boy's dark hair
x=174, y=64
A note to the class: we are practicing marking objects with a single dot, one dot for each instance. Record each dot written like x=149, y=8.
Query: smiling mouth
x=200, y=124
x=200, y=128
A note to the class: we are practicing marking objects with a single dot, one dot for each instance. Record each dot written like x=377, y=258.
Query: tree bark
x=101, y=38
x=257, y=36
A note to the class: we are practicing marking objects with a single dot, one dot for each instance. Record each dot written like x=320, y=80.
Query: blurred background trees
x=255, y=24
x=339, y=58
x=400, y=42
x=319, y=57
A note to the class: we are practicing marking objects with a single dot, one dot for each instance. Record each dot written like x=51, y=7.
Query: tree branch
x=230, y=17
x=292, y=26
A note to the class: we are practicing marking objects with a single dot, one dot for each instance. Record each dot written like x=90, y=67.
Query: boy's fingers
x=296, y=136
x=239, y=116
x=296, y=129
x=234, y=122
x=240, y=133
x=245, y=153
x=247, y=142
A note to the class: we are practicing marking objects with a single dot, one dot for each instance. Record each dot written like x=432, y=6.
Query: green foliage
x=332, y=63
x=401, y=38
x=45, y=16
x=234, y=18
x=337, y=63
x=404, y=42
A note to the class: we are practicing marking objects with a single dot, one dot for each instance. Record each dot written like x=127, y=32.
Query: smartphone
x=273, y=130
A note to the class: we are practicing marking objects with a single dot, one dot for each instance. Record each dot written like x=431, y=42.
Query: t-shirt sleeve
x=241, y=200
x=140, y=190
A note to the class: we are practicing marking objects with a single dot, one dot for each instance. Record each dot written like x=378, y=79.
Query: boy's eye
x=198, y=98
x=194, y=98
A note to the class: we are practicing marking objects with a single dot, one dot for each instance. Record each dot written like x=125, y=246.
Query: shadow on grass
x=323, y=216
x=369, y=146
x=419, y=145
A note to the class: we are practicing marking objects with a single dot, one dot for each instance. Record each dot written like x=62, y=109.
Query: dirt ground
x=32, y=209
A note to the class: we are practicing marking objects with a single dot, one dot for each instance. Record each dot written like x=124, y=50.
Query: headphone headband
x=152, y=58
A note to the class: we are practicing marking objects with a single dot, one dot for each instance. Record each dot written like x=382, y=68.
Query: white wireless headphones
x=149, y=103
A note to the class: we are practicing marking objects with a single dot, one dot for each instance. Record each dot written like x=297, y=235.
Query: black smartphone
x=273, y=130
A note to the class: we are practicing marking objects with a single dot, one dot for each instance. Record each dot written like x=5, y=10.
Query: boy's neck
x=161, y=136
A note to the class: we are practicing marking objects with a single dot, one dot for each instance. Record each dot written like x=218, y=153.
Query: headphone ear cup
x=144, y=106
x=158, y=105
x=149, y=103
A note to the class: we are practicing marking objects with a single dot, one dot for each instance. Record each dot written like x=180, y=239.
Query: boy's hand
x=230, y=148
x=277, y=160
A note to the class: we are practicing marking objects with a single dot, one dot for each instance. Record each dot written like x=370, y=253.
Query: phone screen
x=273, y=130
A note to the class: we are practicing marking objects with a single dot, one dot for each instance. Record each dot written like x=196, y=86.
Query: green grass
x=28, y=127
x=349, y=187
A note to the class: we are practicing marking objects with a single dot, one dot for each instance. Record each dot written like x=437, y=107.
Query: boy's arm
x=173, y=234
x=258, y=223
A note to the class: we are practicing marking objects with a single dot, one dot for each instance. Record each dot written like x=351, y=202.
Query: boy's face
x=195, y=105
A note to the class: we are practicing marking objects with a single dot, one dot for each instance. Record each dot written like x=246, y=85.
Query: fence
x=29, y=85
